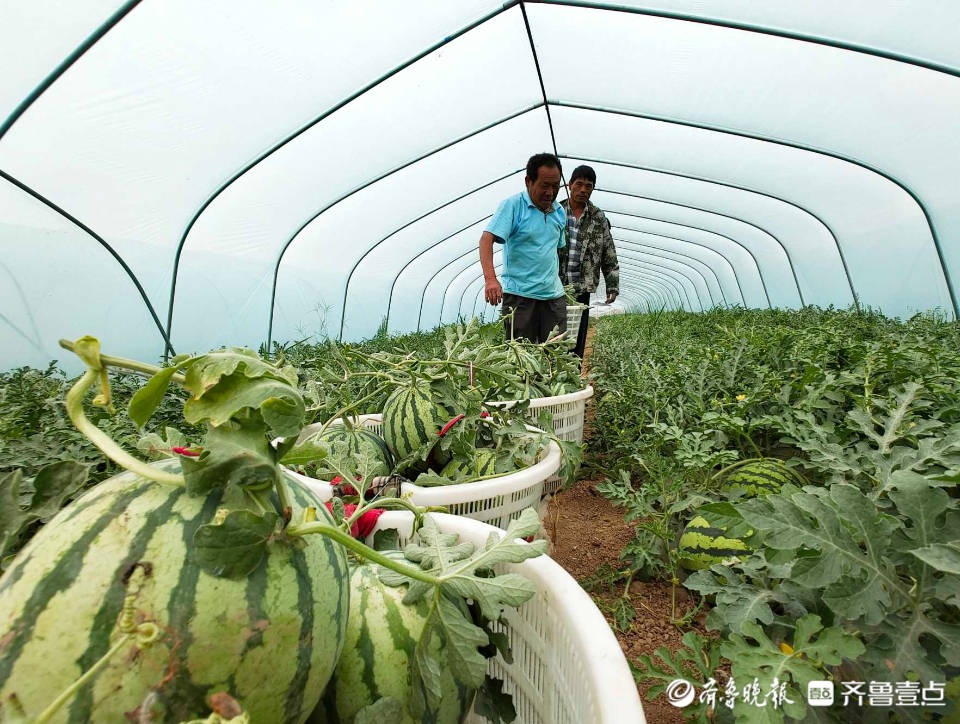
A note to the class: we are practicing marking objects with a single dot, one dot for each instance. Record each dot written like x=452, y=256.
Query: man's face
x=543, y=192
x=580, y=191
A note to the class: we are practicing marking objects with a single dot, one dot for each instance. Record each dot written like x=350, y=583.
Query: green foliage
x=27, y=502
x=859, y=570
x=464, y=573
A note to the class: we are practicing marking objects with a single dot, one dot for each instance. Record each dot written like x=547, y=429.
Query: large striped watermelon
x=357, y=440
x=702, y=545
x=270, y=640
x=379, y=645
x=412, y=418
x=760, y=477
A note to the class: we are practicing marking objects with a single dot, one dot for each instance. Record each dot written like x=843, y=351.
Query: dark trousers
x=584, y=323
x=533, y=319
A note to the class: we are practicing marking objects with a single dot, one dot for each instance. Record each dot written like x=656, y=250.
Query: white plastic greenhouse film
x=773, y=88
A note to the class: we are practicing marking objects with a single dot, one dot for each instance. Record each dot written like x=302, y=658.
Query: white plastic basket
x=568, y=667
x=568, y=414
x=496, y=501
x=574, y=315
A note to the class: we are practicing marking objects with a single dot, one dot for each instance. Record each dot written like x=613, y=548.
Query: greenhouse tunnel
x=180, y=176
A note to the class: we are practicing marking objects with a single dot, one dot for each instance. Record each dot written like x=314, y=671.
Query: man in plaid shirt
x=589, y=249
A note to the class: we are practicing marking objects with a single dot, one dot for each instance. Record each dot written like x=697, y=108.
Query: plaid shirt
x=573, y=249
x=595, y=251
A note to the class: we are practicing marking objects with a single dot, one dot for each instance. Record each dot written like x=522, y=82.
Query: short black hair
x=584, y=172
x=541, y=159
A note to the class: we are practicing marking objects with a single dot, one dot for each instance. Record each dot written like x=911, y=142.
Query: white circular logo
x=680, y=693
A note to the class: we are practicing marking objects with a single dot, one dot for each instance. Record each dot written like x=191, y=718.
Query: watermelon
x=357, y=440
x=484, y=462
x=379, y=646
x=270, y=640
x=761, y=477
x=702, y=545
x=411, y=419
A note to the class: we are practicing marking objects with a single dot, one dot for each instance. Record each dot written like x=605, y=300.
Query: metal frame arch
x=650, y=298
x=632, y=292
x=736, y=278
x=330, y=111
x=497, y=254
x=782, y=246
x=692, y=258
x=65, y=65
x=626, y=293
x=471, y=281
x=434, y=276
x=414, y=258
x=361, y=187
x=636, y=263
x=476, y=297
x=656, y=288
x=401, y=228
x=168, y=347
x=698, y=228
x=760, y=29
x=803, y=147
x=657, y=282
x=461, y=256
x=667, y=281
x=647, y=247
x=706, y=211
x=634, y=259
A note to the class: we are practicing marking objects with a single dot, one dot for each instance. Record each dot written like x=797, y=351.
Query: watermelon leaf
x=386, y=710
x=278, y=401
x=145, y=400
x=942, y=556
x=306, y=453
x=236, y=453
x=753, y=655
x=51, y=488
x=12, y=518
x=462, y=639
x=234, y=548
x=158, y=447
x=54, y=484
x=493, y=703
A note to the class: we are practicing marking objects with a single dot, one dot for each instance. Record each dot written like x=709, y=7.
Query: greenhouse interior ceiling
x=179, y=176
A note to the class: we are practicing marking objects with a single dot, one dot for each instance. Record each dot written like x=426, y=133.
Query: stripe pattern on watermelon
x=270, y=640
x=762, y=477
x=378, y=647
x=411, y=419
x=702, y=545
x=357, y=440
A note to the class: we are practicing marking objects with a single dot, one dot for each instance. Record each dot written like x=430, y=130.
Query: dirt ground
x=589, y=532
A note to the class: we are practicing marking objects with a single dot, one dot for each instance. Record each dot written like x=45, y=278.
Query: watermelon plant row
x=836, y=556
x=212, y=573
x=334, y=379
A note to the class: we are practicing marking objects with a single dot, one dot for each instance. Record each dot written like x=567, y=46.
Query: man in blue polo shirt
x=531, y=227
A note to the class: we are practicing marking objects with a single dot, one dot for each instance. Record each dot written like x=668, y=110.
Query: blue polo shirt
x=530, y=241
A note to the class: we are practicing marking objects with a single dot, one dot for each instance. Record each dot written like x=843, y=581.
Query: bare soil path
x=588, y=532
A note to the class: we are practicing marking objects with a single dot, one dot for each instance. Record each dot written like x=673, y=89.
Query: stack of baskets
x=568, y=415
x=496, y=501
x=568, y=667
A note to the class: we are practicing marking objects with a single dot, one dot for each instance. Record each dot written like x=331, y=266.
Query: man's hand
x=611, y=297
x=492, y=291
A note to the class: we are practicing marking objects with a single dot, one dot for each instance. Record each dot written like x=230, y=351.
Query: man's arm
x=609, y=265
x=492, y=291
